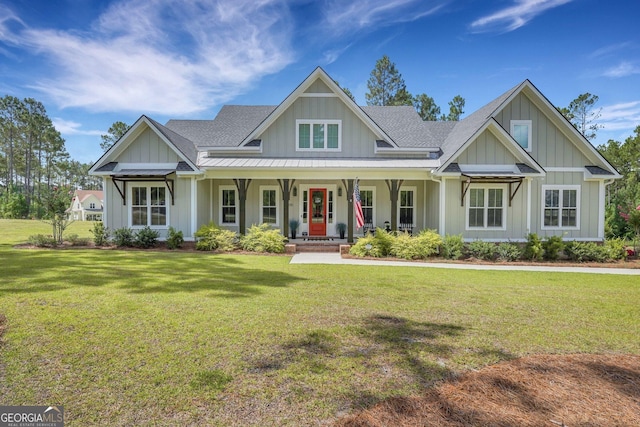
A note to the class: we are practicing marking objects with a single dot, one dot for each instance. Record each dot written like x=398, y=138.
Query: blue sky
x=92, y=62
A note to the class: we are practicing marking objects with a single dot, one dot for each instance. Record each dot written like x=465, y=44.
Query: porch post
x=242, y=185
x=394, y=191
x=349, y=210
x=286, y=196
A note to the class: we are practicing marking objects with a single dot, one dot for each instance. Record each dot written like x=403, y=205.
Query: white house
x=86, y=205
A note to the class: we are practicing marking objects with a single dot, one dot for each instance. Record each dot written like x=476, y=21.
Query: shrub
x=123, y=237
x=77, y=241
x=616, y=248
x=587, y=252
x=100, y=234
x=552, y=247
x=452, y=246
x=175, y=238
x=210, y=237
x=42, y=241
x=403, y=246
x=146, y=237
x=421, y=246
x=482, y=250
x=380, y=244
x=508, y=251
x=263, y=238
x=533, y=249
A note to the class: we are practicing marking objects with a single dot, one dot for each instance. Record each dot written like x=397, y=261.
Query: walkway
x=335, y=258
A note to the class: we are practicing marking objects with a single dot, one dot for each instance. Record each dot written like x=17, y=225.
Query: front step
x=318, y=247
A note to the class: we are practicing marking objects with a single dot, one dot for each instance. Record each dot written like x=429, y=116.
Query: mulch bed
x=543, y=390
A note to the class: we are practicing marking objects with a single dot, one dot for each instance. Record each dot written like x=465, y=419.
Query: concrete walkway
x=335, y=258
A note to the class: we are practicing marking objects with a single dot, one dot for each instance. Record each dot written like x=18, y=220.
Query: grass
x=182, y=338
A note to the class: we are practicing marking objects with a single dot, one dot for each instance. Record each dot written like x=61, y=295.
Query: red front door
x=318, y=212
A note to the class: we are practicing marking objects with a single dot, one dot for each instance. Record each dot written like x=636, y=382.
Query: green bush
x=552, y=247
x=42, y=241
x=380, y=244
x=422, y=246
x=533, y=249
x=211, y=237
x=263, y=238
x=146, y=238
x=482, y=250
x=77, y=241
x=508, y=252
x=175, y=238
x=452, y=246
x=616, y=248
x=123, y=237
x=587, y=252
x=100, y=234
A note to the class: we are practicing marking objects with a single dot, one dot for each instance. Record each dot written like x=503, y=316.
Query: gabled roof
x=82, y=195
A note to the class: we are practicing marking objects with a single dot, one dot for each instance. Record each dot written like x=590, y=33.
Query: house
x=513, y=167
x=86, y=205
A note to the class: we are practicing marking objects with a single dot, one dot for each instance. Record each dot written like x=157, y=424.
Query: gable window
x=318, y=135
x=269, y=205
x=92, y=205
x=561, y=206
x=486, y=208
x=521, y=132
x=148, y=206
x=228, y=207
x=407, y=208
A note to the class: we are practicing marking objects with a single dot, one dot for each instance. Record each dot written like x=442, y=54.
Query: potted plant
x=293, y=226
x=342, y=228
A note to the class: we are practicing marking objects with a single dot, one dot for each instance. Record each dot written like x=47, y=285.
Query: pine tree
x=386, y=85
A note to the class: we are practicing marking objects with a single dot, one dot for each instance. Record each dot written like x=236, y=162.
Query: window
x=228, y=198
x=521, y=132
x=561, y=206
x=407, y=211
x=92, y=205
x=269, y=205
x=366, y=196
x=330, y=207
x=486, y=208
x=305, y=205
x=149, y=206
x=318, y=135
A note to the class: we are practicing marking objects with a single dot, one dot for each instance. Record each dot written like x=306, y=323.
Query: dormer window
x=318, y=135
x=521, y=132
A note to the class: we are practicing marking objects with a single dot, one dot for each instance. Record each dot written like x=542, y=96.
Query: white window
x=367, y=196
x=561, y=206
x=269, y=202
x=92, y=205
x=486, y=207
x=406, y=208
x=148, y=206
x=318, y=135
x=521, y=132
x=228, y=205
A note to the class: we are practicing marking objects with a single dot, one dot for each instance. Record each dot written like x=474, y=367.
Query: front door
x=318, y=212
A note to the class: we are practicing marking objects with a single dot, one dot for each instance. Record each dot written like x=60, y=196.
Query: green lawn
x=179, y=338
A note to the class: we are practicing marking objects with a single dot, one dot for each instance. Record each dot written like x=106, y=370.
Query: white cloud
x=349, y=17
x=623, y=116
x=514, y=17
x=623, y=69
x=161, y=56
x=609, y=50
x=69, y=127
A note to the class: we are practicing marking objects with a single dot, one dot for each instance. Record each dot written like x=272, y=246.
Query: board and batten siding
x=148, y=148
x=551, y=148
x=486, y=150
x=357, y=141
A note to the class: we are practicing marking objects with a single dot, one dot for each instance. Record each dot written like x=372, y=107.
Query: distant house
x=513, y=167
x=86, y=205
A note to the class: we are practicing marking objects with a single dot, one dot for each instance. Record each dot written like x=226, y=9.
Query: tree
x=386, y=85
x=456, y=109
x=426, y=107
x=346, y=90
x=56, y=202
x=115, y=132
x=582, y=114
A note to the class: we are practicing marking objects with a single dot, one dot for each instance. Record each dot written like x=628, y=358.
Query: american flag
x=357, y=206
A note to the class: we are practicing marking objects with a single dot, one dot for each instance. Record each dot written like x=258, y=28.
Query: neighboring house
x=515, y=166
x=86, y=205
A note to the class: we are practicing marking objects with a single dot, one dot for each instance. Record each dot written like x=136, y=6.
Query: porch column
x=242, y=185
x=349, y=188
x=286, y=196
x=394, y=191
